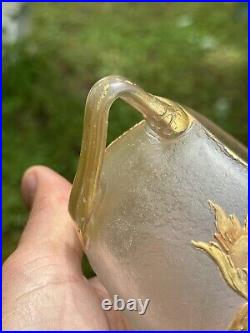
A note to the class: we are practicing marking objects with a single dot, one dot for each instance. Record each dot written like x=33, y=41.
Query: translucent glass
x=150, y=203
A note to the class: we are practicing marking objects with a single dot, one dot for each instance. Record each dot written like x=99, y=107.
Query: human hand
x=43, y=285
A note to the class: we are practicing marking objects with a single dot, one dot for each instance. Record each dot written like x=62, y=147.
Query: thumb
x=49, y=223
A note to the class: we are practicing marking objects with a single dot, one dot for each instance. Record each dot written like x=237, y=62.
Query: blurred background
x=194, y=53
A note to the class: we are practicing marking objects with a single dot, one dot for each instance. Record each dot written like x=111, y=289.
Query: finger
x=47, y=193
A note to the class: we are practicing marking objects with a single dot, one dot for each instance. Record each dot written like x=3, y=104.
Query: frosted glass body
x=152, y=203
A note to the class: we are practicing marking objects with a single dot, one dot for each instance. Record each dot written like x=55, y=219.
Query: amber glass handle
x=165, y=118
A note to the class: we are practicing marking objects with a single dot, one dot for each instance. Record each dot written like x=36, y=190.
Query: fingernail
x=29, y=185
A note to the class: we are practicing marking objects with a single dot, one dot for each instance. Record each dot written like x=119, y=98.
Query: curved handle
x=164, y=118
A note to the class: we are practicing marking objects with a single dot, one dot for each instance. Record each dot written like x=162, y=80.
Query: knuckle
x=48, y=200
x=11, y=264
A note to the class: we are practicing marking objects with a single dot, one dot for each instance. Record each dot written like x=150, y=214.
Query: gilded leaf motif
x=231, y=256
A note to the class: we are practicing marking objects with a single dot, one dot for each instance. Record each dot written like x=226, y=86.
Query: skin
x=43, y=285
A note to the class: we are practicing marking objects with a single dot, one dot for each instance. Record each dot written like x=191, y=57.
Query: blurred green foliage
x=194, y=53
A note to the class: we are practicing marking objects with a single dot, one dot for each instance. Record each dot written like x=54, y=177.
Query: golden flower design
x=231, y=256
